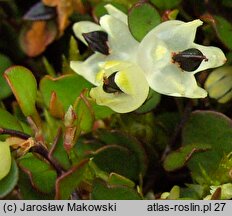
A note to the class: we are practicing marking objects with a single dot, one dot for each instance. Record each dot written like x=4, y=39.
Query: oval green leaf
x=179, y=158
x=152, y=101
x=141, y=19
x=166, y=4
x=208, y=128
x=67, y=89
x=9, y=121
x=5, y=63
x=41, y=174
x=24, y=87
x=85, y=113
x=223, y=30
x=122, y=154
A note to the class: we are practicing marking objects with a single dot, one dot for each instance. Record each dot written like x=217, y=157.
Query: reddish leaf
x=36, y=36
x=56, y=108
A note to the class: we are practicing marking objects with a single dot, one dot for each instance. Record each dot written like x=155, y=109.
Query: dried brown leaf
x=36, y=36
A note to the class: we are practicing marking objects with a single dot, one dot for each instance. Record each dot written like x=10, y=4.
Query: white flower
x=121, y=44
x=122, y=69
x=169, y=71
x=122, y=86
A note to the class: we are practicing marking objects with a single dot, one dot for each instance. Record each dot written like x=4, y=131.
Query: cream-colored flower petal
x=226, y=97
x=176, y=34
x=221, y=88
x=214, y=55
x=5, y=159
x=131, y=81
x=219, y=84
x=88, y=68
x=170, y=80
x=153, y=54
x=120, y=39
x=113, y=11
x=217, y=75
x=84, y=27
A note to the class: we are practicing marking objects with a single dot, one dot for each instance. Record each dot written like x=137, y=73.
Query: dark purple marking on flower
x=109, y=85
x=189, y=60
x=97, y=41
x=39, y=11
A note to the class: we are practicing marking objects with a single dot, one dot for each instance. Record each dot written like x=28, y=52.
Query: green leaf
x=5, y=63
x=166, y=4
x=50, y=127
x=28, y=192
x=99, y=9
x=174, y=193
x=84, y=112
x=5, y=159
x=115, y=158
x=69, y=181
x=208, y=128
x=116, y=179
x=8, y=183
x=121, y=154
x=142, y=18
x=102, y=191
x=179, y=158
x=67, y=89
x=223, y=29
x=101, y=112
x=139, y=126
x=24, y=87
x=83, y=149
x=41, y=174
x=195, y=191
x=58, y=152
x=152, y=101
x=9, y=121
x=163, y=128
x=74, y=53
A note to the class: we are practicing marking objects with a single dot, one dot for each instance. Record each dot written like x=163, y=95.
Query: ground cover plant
x=115, y=99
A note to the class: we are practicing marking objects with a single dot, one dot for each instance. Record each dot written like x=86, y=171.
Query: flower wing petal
x=177, y=35
x=214, y=55
x=113, y=11
x=84, y=27
x=120, y=39
x=88, y=68
x=170, y=80
x=135, y=91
